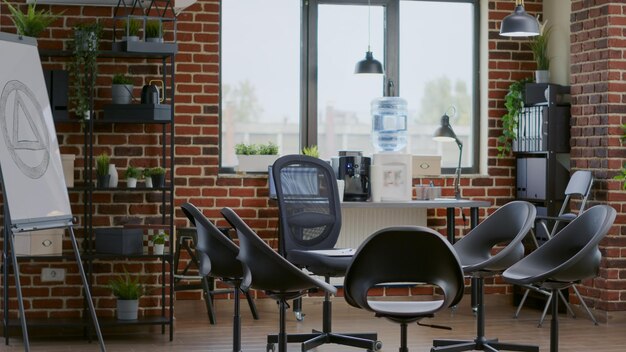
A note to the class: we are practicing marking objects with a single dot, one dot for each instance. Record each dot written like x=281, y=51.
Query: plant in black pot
x=122, y=89
x=158, y=177
x=128, y=290
x=102, y=170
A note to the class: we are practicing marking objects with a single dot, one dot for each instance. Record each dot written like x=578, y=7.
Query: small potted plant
x=539, y=46
x=102, y=170
x=131, y=30
x=158, y=177
x=33, y=22
x=128, y=290
x=121, y=89
x=158, y=241
x=132, y=174
x=255, y=158
x=311, y=151
x=154, y=31
x=147, y=177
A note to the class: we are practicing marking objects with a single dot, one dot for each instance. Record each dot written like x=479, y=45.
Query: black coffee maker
x=354, y=169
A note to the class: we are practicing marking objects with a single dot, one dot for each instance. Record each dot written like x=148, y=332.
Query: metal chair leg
x=582, y=302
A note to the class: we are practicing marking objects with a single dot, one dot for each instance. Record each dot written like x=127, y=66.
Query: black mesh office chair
x=267, y=270
x=578, y=187
x=217, y=257
x=310, y=221
x=567, y=258
x=420, y=256
x=506, y=228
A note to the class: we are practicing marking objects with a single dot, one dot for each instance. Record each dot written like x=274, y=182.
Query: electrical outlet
x=52, y=274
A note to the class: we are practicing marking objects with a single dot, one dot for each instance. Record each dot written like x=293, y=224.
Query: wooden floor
x=194, y=333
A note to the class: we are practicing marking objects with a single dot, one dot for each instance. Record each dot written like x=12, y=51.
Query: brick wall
x=197, y=137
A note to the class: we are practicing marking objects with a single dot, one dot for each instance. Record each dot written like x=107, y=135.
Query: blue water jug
x=389, y=122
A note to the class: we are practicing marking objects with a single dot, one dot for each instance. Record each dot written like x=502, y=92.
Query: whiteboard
x=30, y=160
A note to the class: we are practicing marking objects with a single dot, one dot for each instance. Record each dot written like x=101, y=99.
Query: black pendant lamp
x=369, y=64
x=519, y=23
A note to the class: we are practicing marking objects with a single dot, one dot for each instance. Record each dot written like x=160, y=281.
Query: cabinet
x=89, y=195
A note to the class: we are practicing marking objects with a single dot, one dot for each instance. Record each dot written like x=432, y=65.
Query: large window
x=292, y=82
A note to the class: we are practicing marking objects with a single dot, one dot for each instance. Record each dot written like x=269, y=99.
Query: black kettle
x=150, y=93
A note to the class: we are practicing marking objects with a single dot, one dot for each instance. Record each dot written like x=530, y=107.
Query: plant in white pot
x=147, y=176
x=154, y=31
x=128, y=290
x=255, y=158
x=132, y=175
x=121, y=89
x=131, y=30
x=539, y=46
x=158, y=241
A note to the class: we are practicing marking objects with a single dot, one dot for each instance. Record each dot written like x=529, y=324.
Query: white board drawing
x=30, y=159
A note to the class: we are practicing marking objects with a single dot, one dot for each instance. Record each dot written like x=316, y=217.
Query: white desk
x=361, y=219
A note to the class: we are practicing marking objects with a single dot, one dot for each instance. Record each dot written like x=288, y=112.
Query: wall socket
x=52, y=274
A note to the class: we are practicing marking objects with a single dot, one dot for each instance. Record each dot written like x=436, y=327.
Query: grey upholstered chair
x=506, y=228
x=567, y=258
x=267, y=270
x=421, y=256
x=578, y=187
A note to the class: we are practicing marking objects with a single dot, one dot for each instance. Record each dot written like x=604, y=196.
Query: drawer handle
x=46, y=243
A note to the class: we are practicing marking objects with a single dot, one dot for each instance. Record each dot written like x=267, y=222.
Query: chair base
x=367, y=341
x=480, y=345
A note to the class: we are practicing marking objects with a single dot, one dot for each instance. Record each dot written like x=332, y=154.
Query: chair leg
x=403, y=338
x=554, y=325
x=282, y=335
x=567, y=306
x=521, y=303
x=236, y=320
x=582, y=302
x=208, y=300
x=252, y=305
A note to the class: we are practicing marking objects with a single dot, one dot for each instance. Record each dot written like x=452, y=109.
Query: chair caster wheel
x=378, y=345
x=299, y=316
x=270, y=347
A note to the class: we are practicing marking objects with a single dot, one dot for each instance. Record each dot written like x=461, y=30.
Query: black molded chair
x=506, y=227
x=578, y=187
x=310, y=222
x=267, y=270
x=217, y=257
x=421, y=256
x=570, y=256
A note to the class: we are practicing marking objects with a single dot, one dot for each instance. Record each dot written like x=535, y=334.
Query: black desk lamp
x=444, y=133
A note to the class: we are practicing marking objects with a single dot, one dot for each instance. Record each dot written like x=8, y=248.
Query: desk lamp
x=445, y=133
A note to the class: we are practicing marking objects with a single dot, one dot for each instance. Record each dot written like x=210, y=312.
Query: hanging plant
x=514, y=103
x=83, y=68
x=622, y=174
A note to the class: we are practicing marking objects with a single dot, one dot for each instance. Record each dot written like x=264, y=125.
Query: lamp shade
x=519, y=24
x=369, y=65
x=444, y=133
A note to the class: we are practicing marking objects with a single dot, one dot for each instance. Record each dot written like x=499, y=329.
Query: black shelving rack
x=166, y=319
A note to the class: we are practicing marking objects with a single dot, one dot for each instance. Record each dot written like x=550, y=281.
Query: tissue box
x=426, y=165
x=118, y=240
x=42, y=242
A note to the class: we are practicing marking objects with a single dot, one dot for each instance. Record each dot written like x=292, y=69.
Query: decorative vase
x=113, y=173
x=542, y=76
x=148, y=180
x=159, y=248
x=127, y=309
x=131, y=182
x=121, y=93
x=158, y=181
x=103, y=181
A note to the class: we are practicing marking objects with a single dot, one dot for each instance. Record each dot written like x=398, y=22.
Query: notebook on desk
x=336, y=252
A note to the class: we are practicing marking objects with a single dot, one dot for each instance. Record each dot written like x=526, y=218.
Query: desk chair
x=264, y=269
x=310, y=221
x=506, y=227
x=217, y=258
x=420, y=255
x=579, y=186
x=567, y=258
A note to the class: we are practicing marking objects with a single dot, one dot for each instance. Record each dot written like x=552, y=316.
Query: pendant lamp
x=519, y=23
x=369, y=64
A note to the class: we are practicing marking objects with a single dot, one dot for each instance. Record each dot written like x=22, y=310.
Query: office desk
x=361, y=219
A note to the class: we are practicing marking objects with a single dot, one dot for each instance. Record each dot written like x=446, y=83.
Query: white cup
x=341, y=185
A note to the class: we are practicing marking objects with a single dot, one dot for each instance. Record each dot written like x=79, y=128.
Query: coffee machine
x=354, y=169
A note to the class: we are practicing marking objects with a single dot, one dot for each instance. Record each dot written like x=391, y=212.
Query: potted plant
x=121, y=89
x=514, y=103
x=83, y=68
x=33, y=22
x=102, y=170
x=147, y=177
x=128, y=290
x=539, y=46
x=158, y=177
x=131, y=30
x=132, y=174
x=158, y=241
x=311, y=151
x=256, y=158
x=154, y=31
